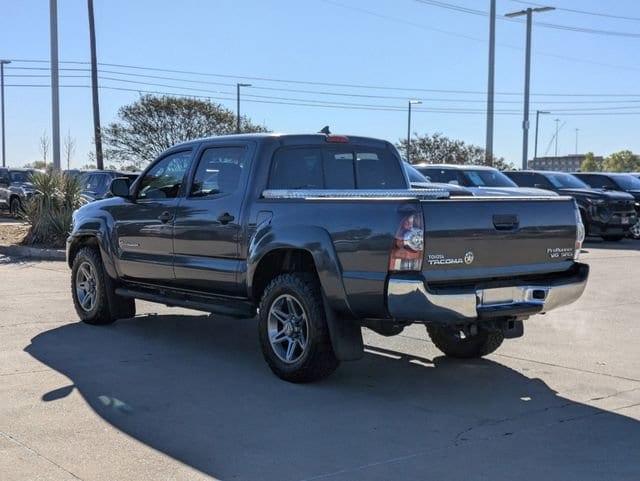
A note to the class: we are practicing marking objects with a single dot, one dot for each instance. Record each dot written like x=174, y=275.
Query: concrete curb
x=33, y=252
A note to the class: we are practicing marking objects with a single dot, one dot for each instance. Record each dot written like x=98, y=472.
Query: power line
x=293, y=81
x=581, y=12
x=476, y=39
x=344, y=106
x=473, y=11
x=315, y=92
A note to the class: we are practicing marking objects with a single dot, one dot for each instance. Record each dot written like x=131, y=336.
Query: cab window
x=164, y=180
x=219, y=171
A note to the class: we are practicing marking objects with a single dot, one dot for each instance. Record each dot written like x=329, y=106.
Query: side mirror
x=120, y=187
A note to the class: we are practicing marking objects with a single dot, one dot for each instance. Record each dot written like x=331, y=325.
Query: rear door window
x=445, y=176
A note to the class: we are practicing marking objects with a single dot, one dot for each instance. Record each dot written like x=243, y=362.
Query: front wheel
x=15, y=207
x=634, y=232
x=293, y=331
x=93, y=291
x=452, y=343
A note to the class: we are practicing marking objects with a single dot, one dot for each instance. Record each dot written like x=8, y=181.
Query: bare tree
x=44, y=146
x=69, y=148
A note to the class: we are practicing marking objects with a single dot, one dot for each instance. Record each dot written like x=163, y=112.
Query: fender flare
x=345, y=332
x=96, y=228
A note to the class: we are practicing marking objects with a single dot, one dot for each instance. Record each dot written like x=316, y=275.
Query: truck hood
x=510, y=192
x=597, y=194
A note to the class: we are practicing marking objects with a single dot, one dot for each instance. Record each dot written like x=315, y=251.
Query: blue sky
x=402, y=44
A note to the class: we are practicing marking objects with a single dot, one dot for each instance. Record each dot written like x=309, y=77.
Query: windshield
x=21, y=175
x=413, y=174
x=566, y=181
x=627, y=182
x=487, y=178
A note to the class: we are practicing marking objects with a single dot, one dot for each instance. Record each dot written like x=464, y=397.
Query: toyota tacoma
x=318, y=236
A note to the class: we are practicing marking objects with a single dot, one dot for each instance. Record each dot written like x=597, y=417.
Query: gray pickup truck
x=317, y=236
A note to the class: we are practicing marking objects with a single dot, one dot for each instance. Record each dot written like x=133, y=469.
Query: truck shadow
x=198, y=390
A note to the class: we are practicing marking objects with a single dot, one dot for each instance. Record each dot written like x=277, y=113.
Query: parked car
x=607, y=214
x=480, y=180
x=621, y=182
x=95, y=184
x=15, y=188
x=419, y=181
x=319, y=235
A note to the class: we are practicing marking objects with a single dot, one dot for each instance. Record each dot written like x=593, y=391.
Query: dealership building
x=567, y=163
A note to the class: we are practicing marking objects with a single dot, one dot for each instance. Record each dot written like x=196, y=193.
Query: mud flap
x=346, y=335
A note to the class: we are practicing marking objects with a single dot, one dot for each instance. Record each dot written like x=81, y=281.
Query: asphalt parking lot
x=174, y=394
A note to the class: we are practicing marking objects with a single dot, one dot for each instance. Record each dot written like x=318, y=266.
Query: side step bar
x=216, y=305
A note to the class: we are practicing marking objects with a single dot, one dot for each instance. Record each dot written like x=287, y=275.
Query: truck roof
x=285, y=138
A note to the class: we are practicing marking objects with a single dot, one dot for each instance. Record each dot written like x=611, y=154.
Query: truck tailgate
x=484, y=238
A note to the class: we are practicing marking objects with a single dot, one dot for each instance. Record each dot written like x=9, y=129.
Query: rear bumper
x=411, y=299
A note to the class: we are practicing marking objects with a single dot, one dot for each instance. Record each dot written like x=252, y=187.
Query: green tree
x=590, y=164
x=440, y=149
x=623, y=161
x=152, y=124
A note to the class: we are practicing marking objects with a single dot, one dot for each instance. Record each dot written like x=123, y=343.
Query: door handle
x=165, y=217
x=225, y=218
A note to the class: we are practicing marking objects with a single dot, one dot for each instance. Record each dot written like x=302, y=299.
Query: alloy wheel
x=288, y=328
x=86, y=286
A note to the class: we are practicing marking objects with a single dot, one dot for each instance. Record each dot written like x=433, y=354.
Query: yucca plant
x=50, y=209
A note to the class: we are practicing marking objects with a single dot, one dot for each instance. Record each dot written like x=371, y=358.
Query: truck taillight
x=580, y=234
x=408, y=245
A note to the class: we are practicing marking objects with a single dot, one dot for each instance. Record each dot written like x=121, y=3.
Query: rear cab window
x=340, y=168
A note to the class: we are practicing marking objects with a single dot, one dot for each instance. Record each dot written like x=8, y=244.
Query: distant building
x=567, y=163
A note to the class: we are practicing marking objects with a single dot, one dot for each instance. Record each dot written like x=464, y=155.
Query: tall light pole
x=238, y=85
x=577, y=130
x=55, y=99
x=535, y=148
x=557, y=121
x=410, y=103
x=97, y=135
x=491, y=83
x=2, y=64
x=527, y=76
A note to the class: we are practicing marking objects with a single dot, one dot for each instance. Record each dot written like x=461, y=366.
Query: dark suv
x=94, y=184
x=628, y=183
x=608, y=214
x=15, y=188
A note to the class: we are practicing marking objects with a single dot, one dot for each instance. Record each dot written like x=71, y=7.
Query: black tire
x=612, y=238
x=108, y=306
x=634, y=231
x=15, y=207
x=317, y=360
x=450, y=343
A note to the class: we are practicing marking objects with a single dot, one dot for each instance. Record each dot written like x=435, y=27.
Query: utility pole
x=577, y=130
x=491, y=84
x=4, y=153
x=410, y=103
x=557, y=121
x=238, y=85
x=55, y=99
x=527, y=76
x=97, y=134
x=535, y=148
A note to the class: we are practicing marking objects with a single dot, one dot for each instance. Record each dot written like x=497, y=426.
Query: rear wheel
x=93, y=291
x=454, y=344
x=293, y=331
x=613, y=238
